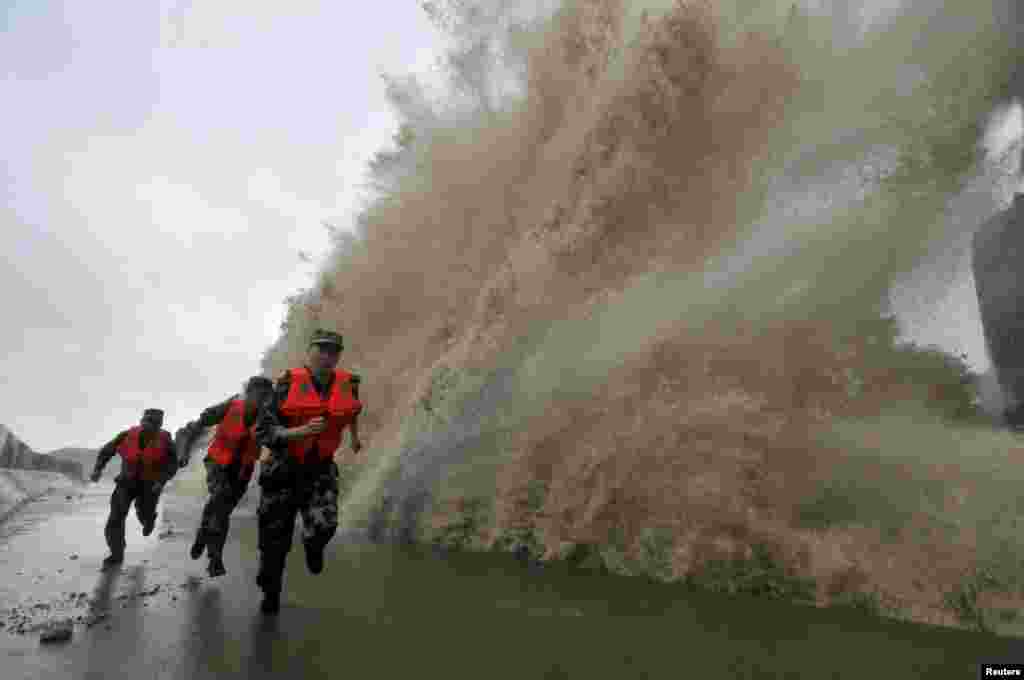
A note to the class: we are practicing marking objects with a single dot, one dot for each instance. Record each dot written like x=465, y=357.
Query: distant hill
x=18, y=455
x=87, y=457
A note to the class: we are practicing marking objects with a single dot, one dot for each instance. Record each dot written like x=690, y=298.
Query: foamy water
x=659, y=273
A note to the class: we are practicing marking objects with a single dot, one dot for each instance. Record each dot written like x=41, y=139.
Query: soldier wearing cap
x=302, y=424
x=147, y=462
x=230, y=462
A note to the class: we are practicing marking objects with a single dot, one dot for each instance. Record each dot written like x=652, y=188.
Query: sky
x=164, y=164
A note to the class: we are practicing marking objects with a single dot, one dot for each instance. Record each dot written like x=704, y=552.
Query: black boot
x=148, y=527
x=113, y=559
x=314, y=559
x=198, y=546
x=271, y=602
x=216, y=566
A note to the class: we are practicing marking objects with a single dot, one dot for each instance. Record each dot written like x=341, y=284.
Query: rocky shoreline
x=16, y=454
x=18, y=487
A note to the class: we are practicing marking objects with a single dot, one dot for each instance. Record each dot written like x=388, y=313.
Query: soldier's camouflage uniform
x=289, y=488
x=227, y=488
x=129, y=489
x=226, y=484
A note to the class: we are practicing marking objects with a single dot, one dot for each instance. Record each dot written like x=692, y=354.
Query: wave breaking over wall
x=666, y=282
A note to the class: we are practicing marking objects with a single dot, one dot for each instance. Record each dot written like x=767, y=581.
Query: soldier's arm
x=215, y=414
x=354, y=427
x=268, y=430
x=208, y=418
x=355, y=381
x=107, y=452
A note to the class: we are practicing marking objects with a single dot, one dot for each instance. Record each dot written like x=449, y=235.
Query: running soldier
x=147, y=462
x=230, y=462
x=302, y=425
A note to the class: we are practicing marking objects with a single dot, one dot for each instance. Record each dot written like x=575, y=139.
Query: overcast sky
x=163, y=164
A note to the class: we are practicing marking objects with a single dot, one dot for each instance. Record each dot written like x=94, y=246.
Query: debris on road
x=94, y=619
x=56, y=632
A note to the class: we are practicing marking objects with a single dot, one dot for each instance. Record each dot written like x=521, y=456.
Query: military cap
x=155, y=412
x=325, y=337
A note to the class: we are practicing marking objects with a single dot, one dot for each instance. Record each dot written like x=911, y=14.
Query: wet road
x=385, y=612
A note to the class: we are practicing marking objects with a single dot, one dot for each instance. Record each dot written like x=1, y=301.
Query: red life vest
x=234, y=442
x=147, y=463
x=303, y=403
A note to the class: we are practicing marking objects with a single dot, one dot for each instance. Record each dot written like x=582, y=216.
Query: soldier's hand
x=316, y=425
x=95, y=476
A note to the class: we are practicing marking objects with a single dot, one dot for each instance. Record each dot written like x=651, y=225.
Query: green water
x=392, y=612
x=383, y=611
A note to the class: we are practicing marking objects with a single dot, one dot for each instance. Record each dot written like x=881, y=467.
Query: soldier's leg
x=145, y=506
x=211, y=527
x=320, y=516
x=212, y=483
x=120, y=503
x=276, y=523
x=235, y=490
x=228, y=496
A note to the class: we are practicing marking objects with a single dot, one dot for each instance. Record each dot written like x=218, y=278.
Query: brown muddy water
x=384, y=611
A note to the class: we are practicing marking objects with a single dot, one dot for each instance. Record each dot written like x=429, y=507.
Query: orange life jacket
x=303, y=403
x=234, y=442
x=147, y=463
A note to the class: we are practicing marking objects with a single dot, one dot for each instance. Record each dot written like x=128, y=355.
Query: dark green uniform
x=289, y=488
x=226, y=484
x=129, y=489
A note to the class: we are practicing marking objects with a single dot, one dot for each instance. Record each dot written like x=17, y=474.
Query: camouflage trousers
x=226, y=487
x=126, y=491
x=309, y=490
